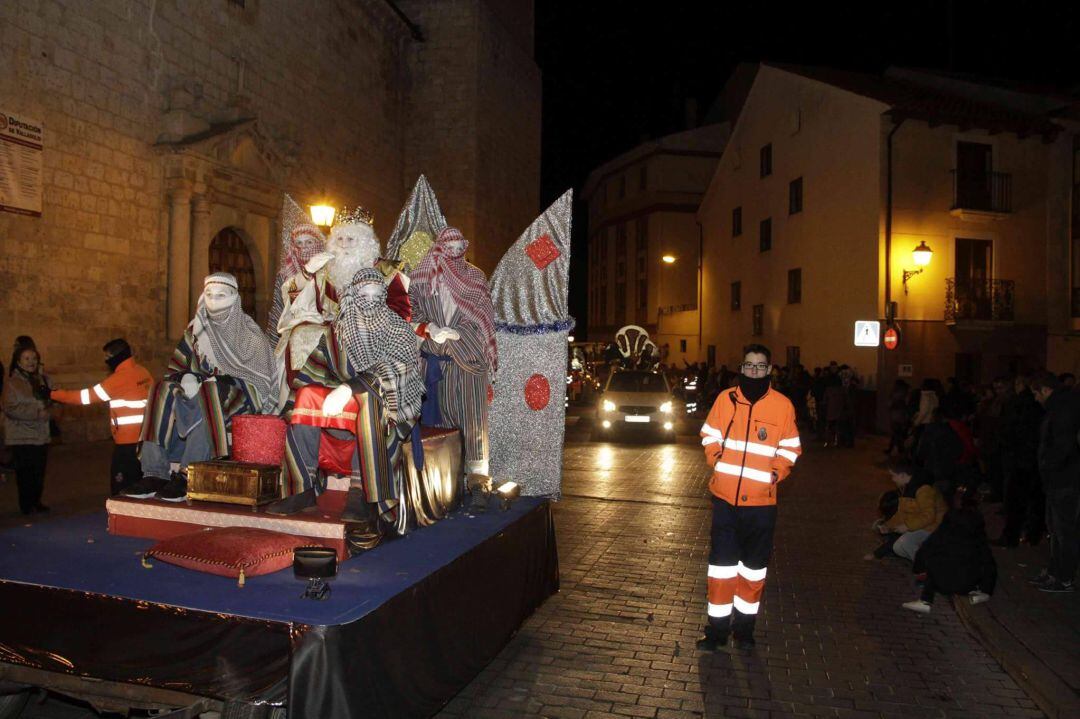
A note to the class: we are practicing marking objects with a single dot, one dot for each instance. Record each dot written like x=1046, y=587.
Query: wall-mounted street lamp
x=668, y=259
x=921, y=255
x=322, y=215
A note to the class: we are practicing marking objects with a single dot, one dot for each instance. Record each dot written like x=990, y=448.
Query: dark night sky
x=618, y=73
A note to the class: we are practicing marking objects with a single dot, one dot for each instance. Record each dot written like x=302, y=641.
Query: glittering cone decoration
x=529, y=291
x=417, y=226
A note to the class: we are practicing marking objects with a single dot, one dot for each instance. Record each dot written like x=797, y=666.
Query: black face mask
x=117, y=358
x=754, y=388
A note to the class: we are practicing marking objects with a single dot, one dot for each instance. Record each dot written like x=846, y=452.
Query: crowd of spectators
x=1016, y=442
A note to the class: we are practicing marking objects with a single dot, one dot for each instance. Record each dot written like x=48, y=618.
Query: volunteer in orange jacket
x=126, y=391
x=751, y=443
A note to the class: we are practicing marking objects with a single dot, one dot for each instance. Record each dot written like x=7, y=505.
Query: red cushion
x=258, y=439
x=230, y=551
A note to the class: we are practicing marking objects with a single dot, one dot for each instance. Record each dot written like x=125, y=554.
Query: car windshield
x=637, y=382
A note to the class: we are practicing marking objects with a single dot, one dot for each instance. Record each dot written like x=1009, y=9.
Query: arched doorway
x=228, y=253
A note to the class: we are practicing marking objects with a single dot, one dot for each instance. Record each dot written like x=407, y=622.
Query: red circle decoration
x=891, y=338
x=537, y=392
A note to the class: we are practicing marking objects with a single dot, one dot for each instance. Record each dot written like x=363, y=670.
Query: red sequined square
x=542, y=251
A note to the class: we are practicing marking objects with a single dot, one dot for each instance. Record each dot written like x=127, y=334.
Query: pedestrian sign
x=867, y=333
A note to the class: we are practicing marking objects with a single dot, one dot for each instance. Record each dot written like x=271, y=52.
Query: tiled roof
x=933, y=105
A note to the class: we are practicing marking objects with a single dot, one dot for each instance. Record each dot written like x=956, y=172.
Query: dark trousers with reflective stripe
x=742, y=539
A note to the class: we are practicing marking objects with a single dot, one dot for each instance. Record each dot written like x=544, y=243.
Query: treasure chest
x=234, y=482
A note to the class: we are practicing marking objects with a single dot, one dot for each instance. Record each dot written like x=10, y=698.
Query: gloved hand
x=190, y=384
x=335, y=401
x=441, y=334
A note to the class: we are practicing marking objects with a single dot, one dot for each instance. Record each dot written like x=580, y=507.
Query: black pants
x=742, y=539
x=1023, y=504
x=29, y=461
x=1063, y=518
x=125, y=468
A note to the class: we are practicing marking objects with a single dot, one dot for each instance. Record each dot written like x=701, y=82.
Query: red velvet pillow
x=229, y=551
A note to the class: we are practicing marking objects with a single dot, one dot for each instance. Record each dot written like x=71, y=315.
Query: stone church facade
x=172, y=128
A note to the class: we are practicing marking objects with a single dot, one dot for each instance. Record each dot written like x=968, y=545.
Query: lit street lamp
x=322, y=215
x=921, y=255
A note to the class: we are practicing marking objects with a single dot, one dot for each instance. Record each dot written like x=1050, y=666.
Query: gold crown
x=357, y=215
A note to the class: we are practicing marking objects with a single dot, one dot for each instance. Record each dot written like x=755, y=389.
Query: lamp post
x=921, y=255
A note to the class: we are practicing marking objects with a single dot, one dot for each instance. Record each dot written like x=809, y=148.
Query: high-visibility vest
x=750, y=447
x=126, y=390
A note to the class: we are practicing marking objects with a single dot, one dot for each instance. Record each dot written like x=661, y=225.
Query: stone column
x=200, y=247
x=179, y=261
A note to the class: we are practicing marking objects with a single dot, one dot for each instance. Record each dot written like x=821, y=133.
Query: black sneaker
x=1056, y=587
x=175, y=490
x=144, y=488
x=744, y=642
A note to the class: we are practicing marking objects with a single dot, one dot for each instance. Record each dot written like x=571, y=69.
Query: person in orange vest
x=751, y=442
x=126, y=391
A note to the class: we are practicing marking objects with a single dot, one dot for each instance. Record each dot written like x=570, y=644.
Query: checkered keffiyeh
x=441, y=272
x=377, y=340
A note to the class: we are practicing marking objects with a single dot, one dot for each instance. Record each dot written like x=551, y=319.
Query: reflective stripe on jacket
x=125, y=390
x=747, y=444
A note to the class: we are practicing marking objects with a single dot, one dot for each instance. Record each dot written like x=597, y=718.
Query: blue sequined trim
x=542, y=329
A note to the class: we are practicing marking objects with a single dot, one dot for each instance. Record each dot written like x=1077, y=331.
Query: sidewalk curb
x=1054, y=697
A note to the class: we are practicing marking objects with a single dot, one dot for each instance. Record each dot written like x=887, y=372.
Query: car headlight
x=609, y=406
x=666, y=408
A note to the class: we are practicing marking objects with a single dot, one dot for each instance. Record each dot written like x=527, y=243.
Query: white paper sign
x=867, y=333
x=21, y=142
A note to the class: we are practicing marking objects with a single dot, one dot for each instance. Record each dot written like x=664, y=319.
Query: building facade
x=172, y=129
x=831, y=180
x=644, y=239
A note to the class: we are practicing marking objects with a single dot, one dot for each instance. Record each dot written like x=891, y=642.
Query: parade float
x=369, y=438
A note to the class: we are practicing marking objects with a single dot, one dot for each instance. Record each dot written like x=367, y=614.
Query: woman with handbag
x=26, y=426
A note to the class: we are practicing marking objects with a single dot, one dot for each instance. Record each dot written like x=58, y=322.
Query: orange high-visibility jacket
x=126, y=391
x=747, y=445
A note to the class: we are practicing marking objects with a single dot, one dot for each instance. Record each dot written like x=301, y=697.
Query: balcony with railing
x=981, y=194
x=970, y=301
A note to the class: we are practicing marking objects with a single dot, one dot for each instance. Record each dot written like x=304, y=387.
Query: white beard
x=345, y=265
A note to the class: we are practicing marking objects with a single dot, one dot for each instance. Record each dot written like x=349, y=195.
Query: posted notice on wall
x=21, y=142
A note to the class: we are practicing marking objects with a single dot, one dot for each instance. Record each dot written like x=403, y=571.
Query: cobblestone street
x=618, y=640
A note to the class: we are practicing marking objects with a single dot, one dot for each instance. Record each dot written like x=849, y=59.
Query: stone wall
x=170, y=120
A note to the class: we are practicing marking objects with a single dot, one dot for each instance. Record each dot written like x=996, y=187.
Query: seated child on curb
x=918, y=513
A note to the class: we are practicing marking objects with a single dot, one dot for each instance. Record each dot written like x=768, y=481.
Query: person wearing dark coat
x=956, y=558
x=1018, y=447
x=1059, y=467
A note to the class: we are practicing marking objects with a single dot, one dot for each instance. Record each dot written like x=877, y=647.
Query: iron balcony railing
x=968, y=300
x=983, y=191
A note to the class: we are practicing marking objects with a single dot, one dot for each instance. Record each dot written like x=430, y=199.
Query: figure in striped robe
x=222, y=367
x=451, y=303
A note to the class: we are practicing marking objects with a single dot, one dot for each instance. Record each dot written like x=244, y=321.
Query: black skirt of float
x=407, y=626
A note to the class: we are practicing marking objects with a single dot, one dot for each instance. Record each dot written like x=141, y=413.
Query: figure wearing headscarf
x=358, y=428
x=222, y=367
x=304, y=242
x=452, y=304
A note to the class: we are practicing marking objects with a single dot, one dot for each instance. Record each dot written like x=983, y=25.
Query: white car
x=636, y=400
